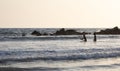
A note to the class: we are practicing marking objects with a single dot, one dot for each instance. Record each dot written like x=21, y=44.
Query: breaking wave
x=81, y=54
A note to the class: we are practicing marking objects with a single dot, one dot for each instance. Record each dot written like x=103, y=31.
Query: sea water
x=58, y=53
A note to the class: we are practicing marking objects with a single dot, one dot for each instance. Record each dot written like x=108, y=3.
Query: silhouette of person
x=84, y=37
x=95, y=39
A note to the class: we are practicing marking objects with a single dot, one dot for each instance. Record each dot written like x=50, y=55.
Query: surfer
x=95, y=39
x=84, y=37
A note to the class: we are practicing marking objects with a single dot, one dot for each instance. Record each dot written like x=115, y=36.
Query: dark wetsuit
x=95, y=37
x=84, y=37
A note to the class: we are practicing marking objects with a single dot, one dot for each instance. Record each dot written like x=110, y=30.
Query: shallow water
x=57, y=53
x=60, y=54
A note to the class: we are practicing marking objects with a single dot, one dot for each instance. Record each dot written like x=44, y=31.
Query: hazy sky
x=59, y=13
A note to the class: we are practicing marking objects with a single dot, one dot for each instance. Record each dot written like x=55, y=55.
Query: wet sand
x=12, y=69
x=27, y=69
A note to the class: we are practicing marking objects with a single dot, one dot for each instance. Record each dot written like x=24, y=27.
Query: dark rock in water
x=114, y=30
x=60, y=32
x=72, y=32
x=66, y=32
x=36, y=33
x=44, y=34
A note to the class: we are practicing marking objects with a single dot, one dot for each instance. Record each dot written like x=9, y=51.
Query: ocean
x=57, y=53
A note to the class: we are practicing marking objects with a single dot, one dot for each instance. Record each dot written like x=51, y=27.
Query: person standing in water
x=95, y=39
x=84, y=37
